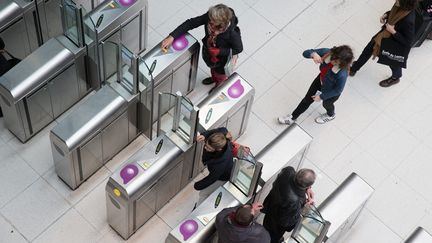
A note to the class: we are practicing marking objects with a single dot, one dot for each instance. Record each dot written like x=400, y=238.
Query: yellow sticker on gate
x=117, y=192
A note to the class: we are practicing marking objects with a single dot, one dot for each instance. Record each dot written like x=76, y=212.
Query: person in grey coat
x=237, y=225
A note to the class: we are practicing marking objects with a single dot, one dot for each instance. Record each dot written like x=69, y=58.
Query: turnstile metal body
x=92, y=134
x=23, y=26
x=228, y=106
x=343, y=207
x=288, y=149
x=97, y=117
x=152, y=176
x=42, y=86
x=64, y=69
x=175, y=70
x=420, y=235
x=124, y=197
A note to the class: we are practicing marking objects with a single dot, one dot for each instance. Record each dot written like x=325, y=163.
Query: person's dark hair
x=2, y=44
x=343, y=54
x=305, y=178
x=244, y=216
x=217, y=140
x=408, y=4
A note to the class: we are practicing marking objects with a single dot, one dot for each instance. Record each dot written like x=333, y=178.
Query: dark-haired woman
x=392, y=44
x=330, y=82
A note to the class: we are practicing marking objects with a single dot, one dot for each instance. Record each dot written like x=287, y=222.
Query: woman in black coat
x=222, y=39
x=392, y=44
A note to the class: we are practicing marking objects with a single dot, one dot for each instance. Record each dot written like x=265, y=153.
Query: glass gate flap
x=313, y=227
x=246, y=171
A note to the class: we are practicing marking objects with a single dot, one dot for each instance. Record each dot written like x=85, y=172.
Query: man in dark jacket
x=237, y=225
x=283, y=205
x=222, y=39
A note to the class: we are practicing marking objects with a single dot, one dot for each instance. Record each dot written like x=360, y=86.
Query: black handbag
x=393, y=53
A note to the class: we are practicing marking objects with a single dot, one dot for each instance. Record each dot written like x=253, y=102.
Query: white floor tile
x=254, y=36
x=161, y=10
x=376, y=230
x=426, y=221
x=5, y=135
x=181, y=15
x=93, y=208
x=394, y=148
x=31, y=151
x=280, y=12
x=35, y=209
x=257, y=76
x=338, y=11
x=279, y=55
x=415, y=171
x=300, y=77
x=70, y=228
x=256, y=129
x=416, y=118
x=15, y=174
x=9, y=234
x=397, y=206
x=328, y=141
x=354, y=159
x=74, y=196
x=306, y=31
x=422, y=81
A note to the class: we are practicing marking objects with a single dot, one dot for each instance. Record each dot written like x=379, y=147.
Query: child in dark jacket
x=330, y=82
x=222, y=39
x=217, y=156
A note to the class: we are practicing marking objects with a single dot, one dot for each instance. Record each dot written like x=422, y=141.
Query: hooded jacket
x=219, y=163
x=229, y=232
x=229, y=40
x=284, y=203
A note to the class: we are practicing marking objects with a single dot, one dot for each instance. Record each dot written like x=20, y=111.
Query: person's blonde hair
x=217, y=140
x=220, y=15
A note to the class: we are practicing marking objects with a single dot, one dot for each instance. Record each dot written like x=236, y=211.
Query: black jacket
x=229, y=232
x=401, y=41
x=226, y=41
x=4, y=65
x=219, y=164
x=284, y=203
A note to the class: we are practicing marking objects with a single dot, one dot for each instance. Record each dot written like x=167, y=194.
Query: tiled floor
x=382, y=134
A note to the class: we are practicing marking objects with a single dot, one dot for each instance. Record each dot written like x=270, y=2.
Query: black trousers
x=366, y=55
x=328, y=104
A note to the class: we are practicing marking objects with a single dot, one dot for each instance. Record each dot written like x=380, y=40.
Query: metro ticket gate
x=419, y=235
x=92, y=134
x=125, y=196
x=287, y=149
x=58, y=74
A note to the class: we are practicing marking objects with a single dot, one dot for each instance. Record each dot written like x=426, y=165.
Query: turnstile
x=153, y=175
x=23, y=26
x=148, y=167
x=420, y=235
x=64, y=69
x=96, y=117
x=91, y=135
x=287, y=149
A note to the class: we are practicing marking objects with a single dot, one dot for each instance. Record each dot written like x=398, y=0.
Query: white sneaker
x=286, y=120
x=324, y=118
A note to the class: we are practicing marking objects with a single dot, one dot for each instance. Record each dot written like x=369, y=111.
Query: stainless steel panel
x=32, y=72
x=343, y=206
x=15, y=39
x=115, y=137
x=90, y=157
x=64, y=162
x=168, y=186
x=117, y=210
x=145, y=208
x=9, y=12
x=181, y=77
x=90, y=116
x=53, y=17
x=64, y=90
x=33, y=31
x=131, y=35
x=235, y=122
x=39, y=109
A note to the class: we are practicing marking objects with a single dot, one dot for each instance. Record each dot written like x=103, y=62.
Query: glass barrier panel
x=70, y=21
x=110, y=59
x=246, y=169
x=166, y=109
